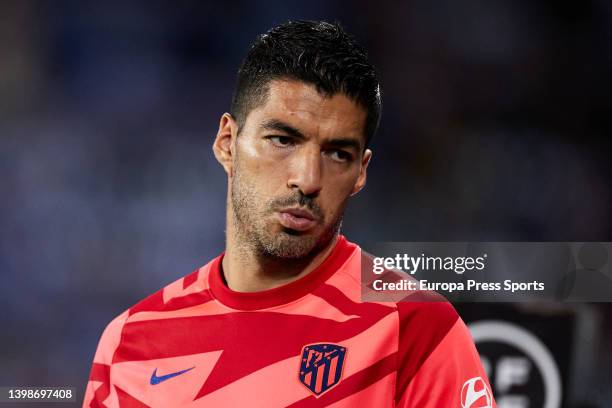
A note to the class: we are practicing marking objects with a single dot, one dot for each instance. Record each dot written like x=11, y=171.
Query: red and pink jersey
x=310, y=343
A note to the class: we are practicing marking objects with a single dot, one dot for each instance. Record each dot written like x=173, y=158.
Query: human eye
x=339, y=155
x=280, y=141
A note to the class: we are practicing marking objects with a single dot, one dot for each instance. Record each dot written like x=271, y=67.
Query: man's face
x=297, y=160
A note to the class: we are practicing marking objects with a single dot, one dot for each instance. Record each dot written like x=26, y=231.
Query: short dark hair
x=314, y=52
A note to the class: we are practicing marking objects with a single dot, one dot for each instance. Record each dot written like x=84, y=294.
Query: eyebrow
x=344, y=142
x=275, y=124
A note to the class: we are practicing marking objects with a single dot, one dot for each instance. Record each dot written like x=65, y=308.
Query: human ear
x=361, y=179
x=223, y=145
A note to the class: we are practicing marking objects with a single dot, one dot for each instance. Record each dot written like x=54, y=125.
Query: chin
x=290, y=244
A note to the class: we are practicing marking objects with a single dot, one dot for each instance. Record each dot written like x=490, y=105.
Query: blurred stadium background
x=496, y=127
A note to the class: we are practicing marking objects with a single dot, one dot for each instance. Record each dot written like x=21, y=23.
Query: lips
x=297, y=219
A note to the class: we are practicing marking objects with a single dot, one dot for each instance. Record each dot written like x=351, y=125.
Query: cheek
x=338, y=193
x=255, y=164
x=260, y=157
x=262, y=180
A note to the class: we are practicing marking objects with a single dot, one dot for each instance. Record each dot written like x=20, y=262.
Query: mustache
x=299, y=200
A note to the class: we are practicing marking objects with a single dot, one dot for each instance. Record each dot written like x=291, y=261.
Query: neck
x=247, y=271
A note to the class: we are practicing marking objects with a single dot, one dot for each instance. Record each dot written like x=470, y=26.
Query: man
x=276, y=320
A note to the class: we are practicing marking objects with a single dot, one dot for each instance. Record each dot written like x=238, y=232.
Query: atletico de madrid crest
x=321, y=366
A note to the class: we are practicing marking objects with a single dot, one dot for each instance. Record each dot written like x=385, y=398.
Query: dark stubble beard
x=251, y=213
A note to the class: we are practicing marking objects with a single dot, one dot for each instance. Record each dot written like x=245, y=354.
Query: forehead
x=315, y=114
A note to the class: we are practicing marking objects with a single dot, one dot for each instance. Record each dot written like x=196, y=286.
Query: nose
x=306, y=172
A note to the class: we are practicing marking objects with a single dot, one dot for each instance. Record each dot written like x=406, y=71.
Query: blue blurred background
x=496, y=127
